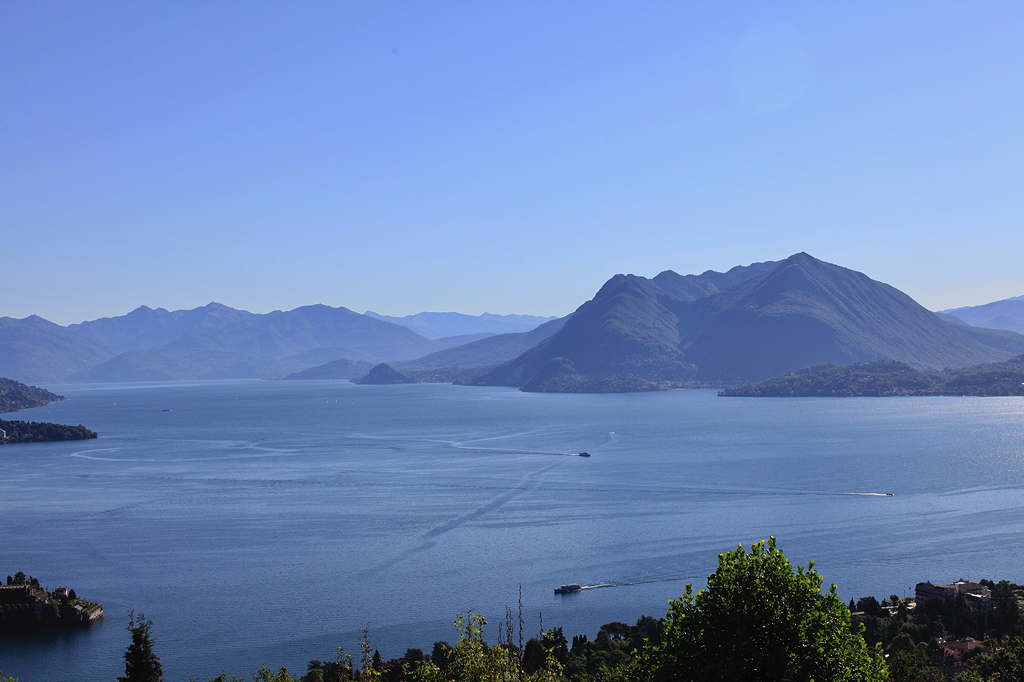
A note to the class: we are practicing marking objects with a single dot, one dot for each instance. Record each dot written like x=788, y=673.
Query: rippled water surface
x=267, y=522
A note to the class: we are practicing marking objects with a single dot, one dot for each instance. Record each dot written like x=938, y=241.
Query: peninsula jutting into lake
x=886, y=379
x=25, y=606
x=12, y=432
x=14, y=396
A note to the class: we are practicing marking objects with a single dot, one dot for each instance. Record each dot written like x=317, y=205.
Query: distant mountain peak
x=323, y=308
x=37, y=321
x=625, y=284
x=804, y=258
x=751, y=322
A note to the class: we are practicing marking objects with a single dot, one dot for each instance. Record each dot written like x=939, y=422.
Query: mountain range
x=716, y=328
x=212, y=341
x=1005, y=314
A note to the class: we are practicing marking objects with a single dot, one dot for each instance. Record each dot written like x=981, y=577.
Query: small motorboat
x=568, y=589
x=584, y=453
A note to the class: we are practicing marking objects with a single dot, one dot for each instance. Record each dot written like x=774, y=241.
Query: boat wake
x=638, y=581
x=471, y=444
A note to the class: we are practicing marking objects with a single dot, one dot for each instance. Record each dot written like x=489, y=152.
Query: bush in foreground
x=758, y=619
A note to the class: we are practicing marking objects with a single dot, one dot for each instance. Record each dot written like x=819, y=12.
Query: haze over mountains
x=213, y=341
x=439, y=325
x=1005, y=314
x=637, y=333
x=486, y=352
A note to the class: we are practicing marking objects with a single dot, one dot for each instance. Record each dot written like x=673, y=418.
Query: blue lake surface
x=263, y=522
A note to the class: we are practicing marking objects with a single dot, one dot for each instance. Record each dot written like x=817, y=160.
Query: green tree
x=908, y=662
x=265, y=674
x=1005, y=612
x=555, y=644
x=758, y=619
x=1004, y=660
x=441, y=655
x=141, y=664
x=534, y=656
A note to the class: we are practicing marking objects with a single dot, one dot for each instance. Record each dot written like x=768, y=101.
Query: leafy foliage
x=760, y=619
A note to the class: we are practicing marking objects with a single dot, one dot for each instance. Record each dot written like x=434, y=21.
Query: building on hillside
x=15, y=594
x=976, y=595
x=955, y=651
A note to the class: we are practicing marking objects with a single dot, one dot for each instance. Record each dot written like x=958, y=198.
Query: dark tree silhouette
x=141, y=664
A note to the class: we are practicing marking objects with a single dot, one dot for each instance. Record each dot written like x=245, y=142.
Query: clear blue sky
x=507, y=157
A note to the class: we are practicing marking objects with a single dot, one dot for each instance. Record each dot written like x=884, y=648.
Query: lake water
x=267, y=522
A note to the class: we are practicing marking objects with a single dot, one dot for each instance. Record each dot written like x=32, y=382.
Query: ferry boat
x=568, y=589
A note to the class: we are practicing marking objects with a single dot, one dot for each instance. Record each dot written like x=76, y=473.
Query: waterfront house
x=976, y=595
x=15, y=594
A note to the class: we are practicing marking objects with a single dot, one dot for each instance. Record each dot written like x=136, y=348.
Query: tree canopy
x=759, y=619
x=141, y=664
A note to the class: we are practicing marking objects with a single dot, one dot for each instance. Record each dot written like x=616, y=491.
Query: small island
x=889, y=378
x=385, y=374
x=26, y=606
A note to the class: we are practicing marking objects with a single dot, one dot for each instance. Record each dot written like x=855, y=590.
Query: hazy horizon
x=503, y=157
x=73, y=319
x=264, y=312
